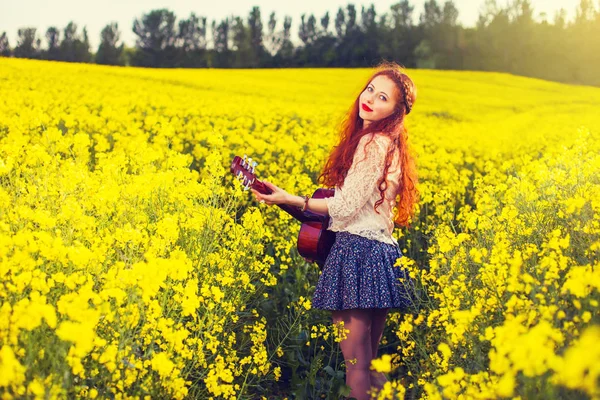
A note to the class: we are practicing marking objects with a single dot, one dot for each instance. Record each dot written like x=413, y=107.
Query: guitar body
x=314, y=240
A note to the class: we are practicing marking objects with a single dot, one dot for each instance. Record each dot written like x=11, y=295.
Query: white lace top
x=351, y=207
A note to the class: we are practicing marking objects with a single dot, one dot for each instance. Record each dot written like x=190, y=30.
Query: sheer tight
x=360, y=347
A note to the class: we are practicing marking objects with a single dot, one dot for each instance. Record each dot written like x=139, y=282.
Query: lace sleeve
x=361, y=180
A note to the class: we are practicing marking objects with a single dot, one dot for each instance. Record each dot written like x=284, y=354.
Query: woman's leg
x=356, y=349
x=378, y=379
x=377, y=328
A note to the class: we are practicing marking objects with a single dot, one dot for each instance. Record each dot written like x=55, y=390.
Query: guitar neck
x=244, y=169
x=294, y=212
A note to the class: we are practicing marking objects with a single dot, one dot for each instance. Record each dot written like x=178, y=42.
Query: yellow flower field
x=133, y=265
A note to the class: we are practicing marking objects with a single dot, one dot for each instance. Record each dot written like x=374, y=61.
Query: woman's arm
x=359, y=183
x=361, y=179
x=280, y=196
x=314, y=205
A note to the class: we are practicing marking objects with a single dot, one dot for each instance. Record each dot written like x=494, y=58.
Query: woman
x=370, y=169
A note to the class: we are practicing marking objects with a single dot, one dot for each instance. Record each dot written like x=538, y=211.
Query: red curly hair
x=351, y=131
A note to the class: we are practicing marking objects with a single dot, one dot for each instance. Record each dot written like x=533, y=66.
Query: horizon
x=95, y=20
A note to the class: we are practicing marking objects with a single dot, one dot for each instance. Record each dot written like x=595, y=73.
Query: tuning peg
x=244, y=161
x=254, y=164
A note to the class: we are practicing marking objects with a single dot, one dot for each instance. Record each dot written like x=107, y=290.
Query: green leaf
x=344, y=390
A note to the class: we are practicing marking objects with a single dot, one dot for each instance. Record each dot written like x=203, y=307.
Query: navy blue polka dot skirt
x=360, y=273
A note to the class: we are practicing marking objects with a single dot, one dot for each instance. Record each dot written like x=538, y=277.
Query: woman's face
x=378, y=100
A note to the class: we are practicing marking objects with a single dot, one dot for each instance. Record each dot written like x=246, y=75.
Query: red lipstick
x=365, y=107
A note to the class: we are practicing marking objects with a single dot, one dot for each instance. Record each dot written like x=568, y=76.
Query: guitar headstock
x=243, y=169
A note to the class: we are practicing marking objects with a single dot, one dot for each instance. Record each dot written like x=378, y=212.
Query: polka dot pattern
x=360, y=273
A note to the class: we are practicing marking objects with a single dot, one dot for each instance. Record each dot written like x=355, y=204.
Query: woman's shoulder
x=381, y=139
x=372, y=146
x=383, y=143
x=375, y=136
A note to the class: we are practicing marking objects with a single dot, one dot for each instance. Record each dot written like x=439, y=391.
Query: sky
x=95, y=15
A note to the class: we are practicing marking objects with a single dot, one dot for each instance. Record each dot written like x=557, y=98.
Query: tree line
x=505, y=39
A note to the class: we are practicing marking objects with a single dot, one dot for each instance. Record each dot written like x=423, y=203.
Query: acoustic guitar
x=314, y=240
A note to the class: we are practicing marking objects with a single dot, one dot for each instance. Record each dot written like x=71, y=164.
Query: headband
x=407, y=98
